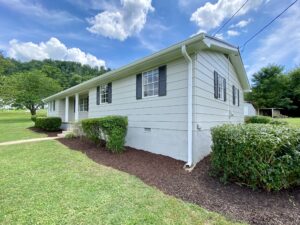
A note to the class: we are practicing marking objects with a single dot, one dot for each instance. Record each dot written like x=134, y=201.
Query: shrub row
x=111, y=129
x=257, y=155
x=48, y=123
x=264, y=120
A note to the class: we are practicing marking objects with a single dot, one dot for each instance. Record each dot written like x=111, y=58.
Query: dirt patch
x=49, y=133
x=165, y=173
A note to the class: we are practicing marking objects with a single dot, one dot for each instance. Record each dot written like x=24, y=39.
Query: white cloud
x=220, y=36
x=52, y=49
x=210, y=16
x=33, y=9
x=123, y=22
x=232, y=33
x=242, y=23
x=280, y=46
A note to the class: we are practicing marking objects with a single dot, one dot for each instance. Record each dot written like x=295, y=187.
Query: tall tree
x=28, y=89
x=270, y=89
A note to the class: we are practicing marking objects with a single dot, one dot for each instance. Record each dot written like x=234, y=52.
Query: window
x=51, y=106
x=84, y=104
x=103, y=94
x=235, y=96
x=150, y=83
x=219, y=87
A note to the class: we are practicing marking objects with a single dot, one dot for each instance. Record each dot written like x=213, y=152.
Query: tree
x=294, y=80
x=270, y=89
x=28, y=89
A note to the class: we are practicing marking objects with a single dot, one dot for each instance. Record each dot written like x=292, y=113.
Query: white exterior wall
x=165, y=115
x=59, y=109
x=208, y=111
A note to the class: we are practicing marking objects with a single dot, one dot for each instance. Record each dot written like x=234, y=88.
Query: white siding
x=59, y=109
x=165, y=115
x=208, y=111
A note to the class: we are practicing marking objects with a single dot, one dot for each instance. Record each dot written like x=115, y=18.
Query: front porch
x=72, y=109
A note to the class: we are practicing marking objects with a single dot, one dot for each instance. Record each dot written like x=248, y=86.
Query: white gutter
x=190, y=105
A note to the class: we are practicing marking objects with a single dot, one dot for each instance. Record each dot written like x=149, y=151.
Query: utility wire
x=264, y=27
x=224, y=24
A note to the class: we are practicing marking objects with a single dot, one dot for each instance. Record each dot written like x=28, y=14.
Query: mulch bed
x=168, y=175
x=49, y=133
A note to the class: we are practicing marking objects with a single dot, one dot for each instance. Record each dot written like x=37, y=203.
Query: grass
x=14, y=126
x=293, y=122
x=48, y=183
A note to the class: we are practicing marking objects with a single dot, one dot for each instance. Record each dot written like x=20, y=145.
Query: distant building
x=272, y=112
x=249, y=109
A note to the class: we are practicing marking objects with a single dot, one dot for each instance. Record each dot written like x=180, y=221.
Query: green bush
x=257, y=155
x=278, y=122
x=258, y=119
x=111, y=129
x=33, y=117
x=48, y=123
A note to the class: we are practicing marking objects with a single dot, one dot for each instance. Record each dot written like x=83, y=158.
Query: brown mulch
x=168, y=175
x=49, y=133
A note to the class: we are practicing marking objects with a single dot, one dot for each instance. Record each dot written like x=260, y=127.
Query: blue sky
x=116, y=32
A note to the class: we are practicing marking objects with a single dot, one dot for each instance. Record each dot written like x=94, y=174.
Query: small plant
x=48, y=123
x=257, y=155
x=111, y=129
x=70, y=135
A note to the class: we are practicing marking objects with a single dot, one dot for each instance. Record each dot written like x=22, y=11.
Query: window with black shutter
x=219, y=87
x=152, y=83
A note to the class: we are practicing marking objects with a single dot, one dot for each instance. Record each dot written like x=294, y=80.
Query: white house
x=172, y=98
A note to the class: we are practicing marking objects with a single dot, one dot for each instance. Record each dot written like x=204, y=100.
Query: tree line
x=272, y=87
x=25, y=84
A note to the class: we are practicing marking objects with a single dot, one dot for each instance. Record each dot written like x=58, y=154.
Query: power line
x=268, y=24
x=224, y=24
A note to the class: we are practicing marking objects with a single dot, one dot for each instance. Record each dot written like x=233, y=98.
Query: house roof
x=198, y=42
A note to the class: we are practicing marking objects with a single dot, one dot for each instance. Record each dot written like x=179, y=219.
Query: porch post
x=67, y=109
x=76, y=107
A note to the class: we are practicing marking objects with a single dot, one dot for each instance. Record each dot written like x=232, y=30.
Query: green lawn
x=47, y=183
x=14, y=126
x=293, y=122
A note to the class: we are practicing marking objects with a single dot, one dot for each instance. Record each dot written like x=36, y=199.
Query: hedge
x=111, y=129
x=264, y=119
x=257, y=155
x=258, y=119
x=48, y=123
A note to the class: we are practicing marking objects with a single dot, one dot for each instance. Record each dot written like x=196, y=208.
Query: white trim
x=76, y=107
x=67, y=109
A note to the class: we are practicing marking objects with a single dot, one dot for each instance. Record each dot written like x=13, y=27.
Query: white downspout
x=190, y=106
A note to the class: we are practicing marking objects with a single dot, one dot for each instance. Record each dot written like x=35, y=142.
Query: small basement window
x=150, y=83
x=147, y=129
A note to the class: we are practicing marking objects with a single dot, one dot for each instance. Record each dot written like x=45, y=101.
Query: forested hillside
x=67, y=74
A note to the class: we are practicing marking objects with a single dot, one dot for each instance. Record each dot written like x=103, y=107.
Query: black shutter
x=238, y=97
x=53, y=105
x=233, y=94
x=74, y=104
x=225, y=95
x=162, y=84
x=98, y=96
x=139, y=84
x=109, y=93
x=216, y=84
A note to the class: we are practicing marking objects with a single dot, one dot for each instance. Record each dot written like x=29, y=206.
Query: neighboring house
x=249, y=109
x=172, y=98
